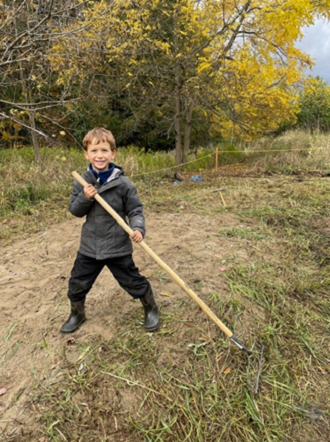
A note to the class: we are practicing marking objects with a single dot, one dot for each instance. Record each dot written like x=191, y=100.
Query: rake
x=181, y=283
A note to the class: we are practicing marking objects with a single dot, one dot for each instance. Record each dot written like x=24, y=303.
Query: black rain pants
x=86, y=270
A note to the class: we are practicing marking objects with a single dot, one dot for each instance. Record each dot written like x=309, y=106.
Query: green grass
x=170, y=387
x=199, y=399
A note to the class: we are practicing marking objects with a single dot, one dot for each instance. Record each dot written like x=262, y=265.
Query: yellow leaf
x=166, y=294
x=228, y=370
x=83, y=354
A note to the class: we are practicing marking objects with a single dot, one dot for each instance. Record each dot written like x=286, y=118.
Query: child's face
x=99, y=155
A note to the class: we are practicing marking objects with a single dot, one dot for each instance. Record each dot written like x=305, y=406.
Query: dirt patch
x=34, y=275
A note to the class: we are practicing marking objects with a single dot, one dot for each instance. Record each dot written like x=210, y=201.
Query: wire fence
x=216, y=155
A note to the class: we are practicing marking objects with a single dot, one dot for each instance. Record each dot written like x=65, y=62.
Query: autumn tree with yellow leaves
x=232, y=62
x=172, y=67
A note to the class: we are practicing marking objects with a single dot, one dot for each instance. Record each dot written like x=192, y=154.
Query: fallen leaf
x=166, y=294
x=83, y=354
x=228, y=370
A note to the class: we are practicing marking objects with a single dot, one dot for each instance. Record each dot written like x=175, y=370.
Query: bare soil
x=34, y=274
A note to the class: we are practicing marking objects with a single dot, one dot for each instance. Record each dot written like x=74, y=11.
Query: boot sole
x=152, y=329
x=66, y=332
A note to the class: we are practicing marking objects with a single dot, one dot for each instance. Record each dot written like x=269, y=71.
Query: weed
x=10, y=331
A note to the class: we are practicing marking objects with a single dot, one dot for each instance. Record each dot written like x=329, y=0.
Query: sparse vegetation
x=166, y=387
x=38, y=194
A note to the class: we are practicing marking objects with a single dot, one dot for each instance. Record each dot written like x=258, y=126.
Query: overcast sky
x=316, y=43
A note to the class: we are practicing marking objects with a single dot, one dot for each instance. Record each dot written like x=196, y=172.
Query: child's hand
x=90, y=191
x=136, y=236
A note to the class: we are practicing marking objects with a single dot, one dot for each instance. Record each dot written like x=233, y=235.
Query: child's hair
x=101, y=135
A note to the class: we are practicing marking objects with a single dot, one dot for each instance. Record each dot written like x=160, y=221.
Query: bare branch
x=39, y=105
x=22, y=123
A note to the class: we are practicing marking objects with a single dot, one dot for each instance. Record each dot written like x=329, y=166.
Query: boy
x=103, y=241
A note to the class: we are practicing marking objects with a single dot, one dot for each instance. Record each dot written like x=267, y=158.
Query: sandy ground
x=34, y=274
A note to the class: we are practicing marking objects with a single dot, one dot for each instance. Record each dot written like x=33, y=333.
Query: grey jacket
x=101, y=236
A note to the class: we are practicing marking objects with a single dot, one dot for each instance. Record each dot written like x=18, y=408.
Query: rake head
x=256, y=349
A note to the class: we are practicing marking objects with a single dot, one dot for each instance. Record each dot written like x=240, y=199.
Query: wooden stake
x=223, y=200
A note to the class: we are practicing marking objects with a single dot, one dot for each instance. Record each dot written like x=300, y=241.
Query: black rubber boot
x=151, y=312
x=76, y=318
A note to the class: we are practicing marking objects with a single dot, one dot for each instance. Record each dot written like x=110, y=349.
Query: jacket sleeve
x=134, y=208
x=79, y=203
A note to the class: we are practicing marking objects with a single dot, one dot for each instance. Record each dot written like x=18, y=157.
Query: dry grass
x=280, y=294
x=125, y=394
x=292, y=153
x=32, y=196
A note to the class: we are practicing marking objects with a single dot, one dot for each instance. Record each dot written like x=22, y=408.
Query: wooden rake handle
x=158, y=260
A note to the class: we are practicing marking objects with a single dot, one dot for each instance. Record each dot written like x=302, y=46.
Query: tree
x=177, y=61
x=29, y=91
x=314, y=105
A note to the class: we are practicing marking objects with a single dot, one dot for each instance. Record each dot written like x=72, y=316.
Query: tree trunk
x=177, y=126
x=187, y=132
x=32, y=120
x=35, y=141
x=177, y=98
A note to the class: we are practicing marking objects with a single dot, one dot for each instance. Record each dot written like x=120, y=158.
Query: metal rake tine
x=249, y=353
x=255, y=387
